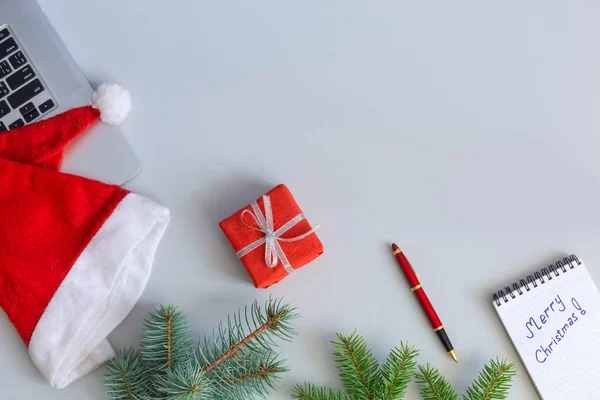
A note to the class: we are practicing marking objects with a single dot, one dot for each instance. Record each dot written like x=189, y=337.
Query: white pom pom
x=113, y=101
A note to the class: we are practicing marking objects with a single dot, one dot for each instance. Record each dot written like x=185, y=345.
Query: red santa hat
x=75, y=254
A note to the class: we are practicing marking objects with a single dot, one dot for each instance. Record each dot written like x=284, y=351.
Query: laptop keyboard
x=24, y=98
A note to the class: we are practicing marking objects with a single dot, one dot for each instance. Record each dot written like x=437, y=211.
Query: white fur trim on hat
x=103, y=286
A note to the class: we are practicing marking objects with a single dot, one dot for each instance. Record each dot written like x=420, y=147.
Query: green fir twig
x=165, y=339
x=493, y=383
x=397, y=372
x=360, y=373
x=254, y=329
x=364, y=380
x=359, y=369
x=237, y=361
x=255, y=376
x=308, y=391
x=183, y=382
x=433, y=385
x=126, y=378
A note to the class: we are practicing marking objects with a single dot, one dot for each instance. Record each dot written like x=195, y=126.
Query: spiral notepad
x=553, y=319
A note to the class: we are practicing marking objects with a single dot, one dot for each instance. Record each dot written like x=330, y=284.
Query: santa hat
x=75, y=254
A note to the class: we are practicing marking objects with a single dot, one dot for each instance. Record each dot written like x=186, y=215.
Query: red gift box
x=289, y=242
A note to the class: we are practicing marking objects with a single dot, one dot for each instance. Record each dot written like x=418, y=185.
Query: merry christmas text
x=556, y=309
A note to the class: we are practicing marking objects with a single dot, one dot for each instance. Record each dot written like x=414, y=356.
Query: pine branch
x=261, y=373
x=398, y=371
x=254, y=330
x=363, y=380
x=433, y=386
x=236, y=362
x=359, y=369
x=493, y=382
x=251, y=375
x=165, y=342
x=309, y=391
x=183, y=382
x=238, y=358
x=127, y=377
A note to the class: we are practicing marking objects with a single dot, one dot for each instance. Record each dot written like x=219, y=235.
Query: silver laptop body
x=39, y=78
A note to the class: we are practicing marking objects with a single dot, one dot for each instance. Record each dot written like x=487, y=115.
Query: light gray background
x=466, y=131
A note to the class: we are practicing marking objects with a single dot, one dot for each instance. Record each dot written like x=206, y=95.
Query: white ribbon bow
x=273, y=251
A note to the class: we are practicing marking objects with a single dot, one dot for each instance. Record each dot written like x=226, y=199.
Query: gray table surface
x=468, y=132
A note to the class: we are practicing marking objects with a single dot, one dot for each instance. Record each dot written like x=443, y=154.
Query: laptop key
x=2, y=127
x=4, y=108
x=33, y=114
x=46, y=106
x=7, y=47
x=3, y=90
x=4, y=33
x=20, y=77
x=26, y=108
x=5, y=69
x=17, y=59
x=17, y=124
x=26, y=93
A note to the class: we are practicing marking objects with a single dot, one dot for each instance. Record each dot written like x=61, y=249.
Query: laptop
x=39, y=78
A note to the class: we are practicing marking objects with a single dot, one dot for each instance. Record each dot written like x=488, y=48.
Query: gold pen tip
x=453, y=355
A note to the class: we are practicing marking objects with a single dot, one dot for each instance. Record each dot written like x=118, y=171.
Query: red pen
x=417, y=289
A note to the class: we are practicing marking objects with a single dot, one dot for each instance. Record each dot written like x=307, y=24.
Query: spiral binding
x=517, y=287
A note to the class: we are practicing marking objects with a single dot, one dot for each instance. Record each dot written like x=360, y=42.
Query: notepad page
x=556, y=330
